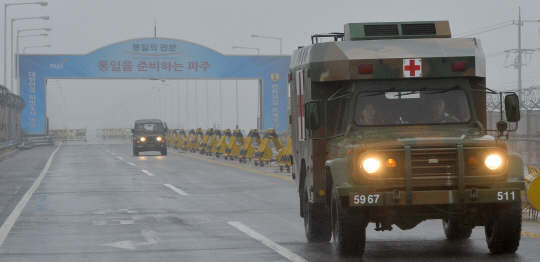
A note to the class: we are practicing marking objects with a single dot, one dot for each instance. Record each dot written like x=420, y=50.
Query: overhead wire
x=480, y=29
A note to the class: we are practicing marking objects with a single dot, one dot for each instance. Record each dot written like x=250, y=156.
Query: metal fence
x=10, y=118
x=526, y=140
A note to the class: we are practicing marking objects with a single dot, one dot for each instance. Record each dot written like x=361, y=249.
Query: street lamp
x=278, y=38
x=11, y=43
x=258, y=51
x=35, y=46
x=159, y=98
x=17, y=65
x=42, y=3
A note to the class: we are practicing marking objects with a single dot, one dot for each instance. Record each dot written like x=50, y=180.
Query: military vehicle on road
x=389, y=127
x=149, y=135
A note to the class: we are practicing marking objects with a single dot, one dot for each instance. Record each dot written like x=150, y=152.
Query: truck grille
x=150, y=139
x=434, y=164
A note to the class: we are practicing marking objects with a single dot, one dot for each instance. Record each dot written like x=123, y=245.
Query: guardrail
x=8, y=144
x=42, y=140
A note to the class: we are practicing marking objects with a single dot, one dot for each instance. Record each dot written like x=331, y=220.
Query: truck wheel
x=316, y=221
x=226, y=157
x=280, y=168
x=164, y=152
x=453, y=231
x=348, y=228
x=135, y=152
x=256, y=163
x=503, y=228
x=261, y=163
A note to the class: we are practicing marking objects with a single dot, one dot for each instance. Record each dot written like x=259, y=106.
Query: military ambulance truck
x=389, y=127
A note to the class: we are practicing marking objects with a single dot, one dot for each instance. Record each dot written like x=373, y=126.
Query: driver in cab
x=437, y=113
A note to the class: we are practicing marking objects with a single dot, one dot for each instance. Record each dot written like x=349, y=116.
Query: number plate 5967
x=365, y=200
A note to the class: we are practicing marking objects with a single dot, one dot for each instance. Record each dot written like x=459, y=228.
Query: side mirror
x=312, y=116
x=511, y=106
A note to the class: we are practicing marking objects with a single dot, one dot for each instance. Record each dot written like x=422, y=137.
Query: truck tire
x=316, y=221
x=348, y=228
x=503, y=228
x=135, y=152
x=453, y=231
x=164, y=152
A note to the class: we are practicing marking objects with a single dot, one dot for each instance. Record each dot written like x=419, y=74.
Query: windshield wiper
x=412, y=92
x=487, y=92
x=381, y=92
x=444, y=91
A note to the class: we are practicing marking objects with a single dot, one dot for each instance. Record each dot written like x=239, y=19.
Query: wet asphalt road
x=98, y=202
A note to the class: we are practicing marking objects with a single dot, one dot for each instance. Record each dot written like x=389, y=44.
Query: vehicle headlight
x=493, y=162
x=371, y=165
x=158, y=138
x=143, y=139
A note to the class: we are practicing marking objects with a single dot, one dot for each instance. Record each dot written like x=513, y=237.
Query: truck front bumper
x=368, y=196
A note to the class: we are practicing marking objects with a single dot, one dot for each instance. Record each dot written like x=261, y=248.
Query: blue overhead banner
x=153, y=58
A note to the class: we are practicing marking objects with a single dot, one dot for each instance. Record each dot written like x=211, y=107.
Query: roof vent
x=381, y=30
x=419, y=29
x=395, y=30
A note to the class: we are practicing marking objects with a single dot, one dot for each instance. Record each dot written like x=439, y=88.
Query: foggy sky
x=80, y=27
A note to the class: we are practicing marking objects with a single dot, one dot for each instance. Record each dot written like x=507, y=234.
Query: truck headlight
x=158, y=138
x=143, y=139
x=371, y=165
x=493, y=162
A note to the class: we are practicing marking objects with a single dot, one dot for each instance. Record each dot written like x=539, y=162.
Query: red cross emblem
x=412, y=67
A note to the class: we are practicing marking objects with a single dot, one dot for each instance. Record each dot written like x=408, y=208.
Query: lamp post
x=15, y=72
x=241, y=47
x=159, y=98
x=42, y=3
x=11, y=43
x=34, y=46
x=278, y=38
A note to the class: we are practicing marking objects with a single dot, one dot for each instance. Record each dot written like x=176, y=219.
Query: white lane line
x=148, y=173
x=113, y=154
x=267, y=242
x=108, y=151
x=175, y=189
x=131, y=163
x=10, y=221
x=120, y=158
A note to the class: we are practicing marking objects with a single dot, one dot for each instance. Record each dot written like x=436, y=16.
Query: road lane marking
x=108, y=151
x=149, y=236
x=131, y=163
x=529, y=234
x=148, y=173
x=120, y=158
x=267, y=242
x=113, y=154
x=175, y=189
x=255, y=171
x=10, y=221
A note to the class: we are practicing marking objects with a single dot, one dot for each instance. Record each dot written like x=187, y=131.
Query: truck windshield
x=148, y=127
x=412, y=107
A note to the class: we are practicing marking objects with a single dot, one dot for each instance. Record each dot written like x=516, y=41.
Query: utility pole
x=519, y=62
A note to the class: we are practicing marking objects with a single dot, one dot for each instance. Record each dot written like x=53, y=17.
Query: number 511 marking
x=506, y=196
